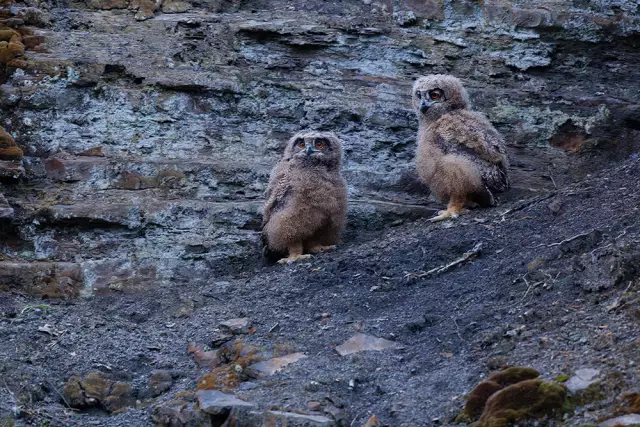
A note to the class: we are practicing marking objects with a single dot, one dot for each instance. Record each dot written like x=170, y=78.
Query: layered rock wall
x=149, y=129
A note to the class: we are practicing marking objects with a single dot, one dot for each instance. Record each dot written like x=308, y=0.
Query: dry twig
x=526, y=204
x=444, y=268
x=570, y=239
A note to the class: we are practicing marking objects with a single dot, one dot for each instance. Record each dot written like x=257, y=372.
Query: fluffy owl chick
x=306, y=204
x=460, y=155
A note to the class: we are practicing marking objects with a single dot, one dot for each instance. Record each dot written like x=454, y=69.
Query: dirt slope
x=555, y=287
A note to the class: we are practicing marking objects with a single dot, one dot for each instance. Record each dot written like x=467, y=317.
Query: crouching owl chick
x=460, y=155
x=306, y=204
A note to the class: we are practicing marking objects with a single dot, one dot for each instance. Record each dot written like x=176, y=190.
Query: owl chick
x=460, y=155
x=306, y=204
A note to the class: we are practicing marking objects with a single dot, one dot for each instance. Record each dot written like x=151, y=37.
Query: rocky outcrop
x=149, y=129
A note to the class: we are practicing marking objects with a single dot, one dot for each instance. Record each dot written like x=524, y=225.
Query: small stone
x=175, y=7
x=314, y=406
x=293, y=419
x=186, y=309
x=582, y=379
x=179, y=413
x=625, y=420
x=362, y=342
x=159, y=382
x=312, y=386
x=271, y=366
x=405, y=18
x=220, y=338
x=236, y=326
x=336, y=413
x=216, y=402
x=555, y=206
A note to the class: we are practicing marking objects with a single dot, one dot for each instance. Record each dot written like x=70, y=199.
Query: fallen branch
x=444, y=268
x=570, y=239
x=526, y=204
x=61, y=396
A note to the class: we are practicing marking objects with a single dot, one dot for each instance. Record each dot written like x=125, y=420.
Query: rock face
x=149, y=128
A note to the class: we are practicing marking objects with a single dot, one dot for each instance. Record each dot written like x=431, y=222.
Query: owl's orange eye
x=434, y=95
x=319, y=145
x=301, y=144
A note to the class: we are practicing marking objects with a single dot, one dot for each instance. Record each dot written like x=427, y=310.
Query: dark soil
x=555, y=287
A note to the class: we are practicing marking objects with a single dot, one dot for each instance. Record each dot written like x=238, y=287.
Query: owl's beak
x=425, y=105
x=309, y=150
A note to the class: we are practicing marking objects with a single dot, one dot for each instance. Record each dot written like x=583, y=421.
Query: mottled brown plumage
x=460, y=155
x=306, y=204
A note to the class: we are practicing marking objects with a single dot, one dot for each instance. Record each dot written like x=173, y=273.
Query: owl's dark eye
x=320, y=144
x=435, y=94
x=418, y=94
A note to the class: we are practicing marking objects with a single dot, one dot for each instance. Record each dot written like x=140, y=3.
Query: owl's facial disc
x=429, y=98
x=310, y=146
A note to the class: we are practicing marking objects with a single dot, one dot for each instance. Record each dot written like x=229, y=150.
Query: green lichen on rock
x=562, y=378
x=529, y=399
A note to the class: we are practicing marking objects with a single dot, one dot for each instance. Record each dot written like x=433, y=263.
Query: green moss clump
x=591, y=394
x=513, y=375
x=524, y=400
x=562, y=378
x=476, y=401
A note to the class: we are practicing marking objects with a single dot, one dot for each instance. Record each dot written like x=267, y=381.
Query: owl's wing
x=278, y=193
x=470, y=134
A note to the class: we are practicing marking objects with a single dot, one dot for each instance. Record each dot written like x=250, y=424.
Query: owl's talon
x=448, y=213
x=293, y=258
x=321, y=248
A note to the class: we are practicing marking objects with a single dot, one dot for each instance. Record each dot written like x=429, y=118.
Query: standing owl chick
x=306, y=204
x=460, y=155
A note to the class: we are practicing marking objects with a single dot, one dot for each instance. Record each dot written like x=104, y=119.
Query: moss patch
x=476, y=401
x=513, y=375
x=525, y=400
x=512, y=395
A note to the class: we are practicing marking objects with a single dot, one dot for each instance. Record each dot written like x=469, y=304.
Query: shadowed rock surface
x=147, y=132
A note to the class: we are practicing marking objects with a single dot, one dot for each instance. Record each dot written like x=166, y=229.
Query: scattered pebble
x=236, y=326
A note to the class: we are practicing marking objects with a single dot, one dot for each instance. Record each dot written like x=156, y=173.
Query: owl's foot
x=295, y=254
x=454, y=209
x=321, y=248
x=293, y=258
x=442, y=215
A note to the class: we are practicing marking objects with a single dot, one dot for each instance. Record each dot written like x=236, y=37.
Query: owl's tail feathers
x=270, y=256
